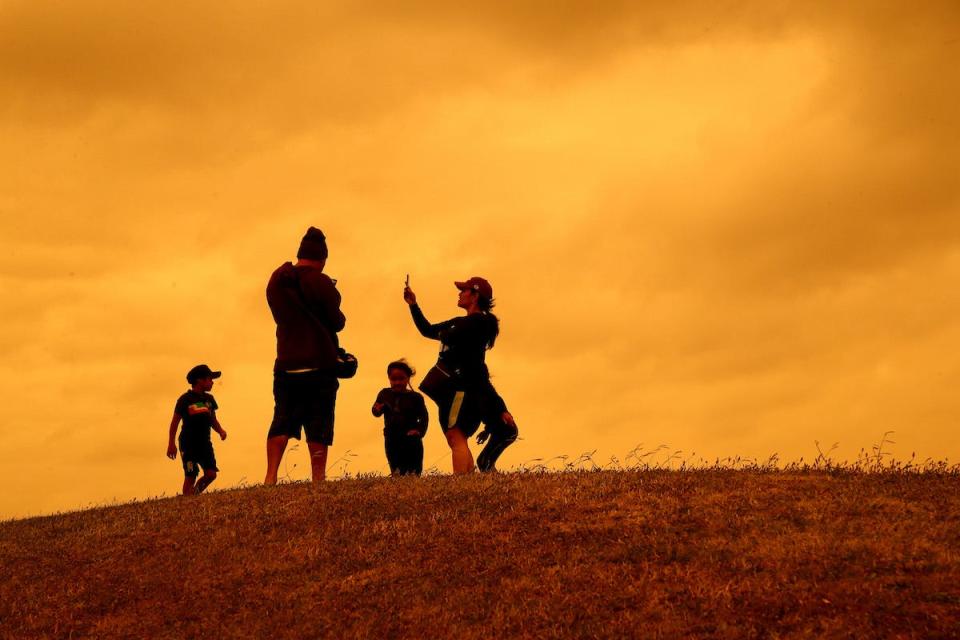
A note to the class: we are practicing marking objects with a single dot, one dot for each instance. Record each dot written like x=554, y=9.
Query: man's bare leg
x=462, y=458
x=188, y=485
x=275, y=448
x=318, y=461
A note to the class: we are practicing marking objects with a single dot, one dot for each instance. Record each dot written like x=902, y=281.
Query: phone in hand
x=407, y=283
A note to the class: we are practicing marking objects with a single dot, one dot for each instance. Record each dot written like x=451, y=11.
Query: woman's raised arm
x=426, y=329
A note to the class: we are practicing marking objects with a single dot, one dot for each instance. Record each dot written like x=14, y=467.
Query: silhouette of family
x=310, y=362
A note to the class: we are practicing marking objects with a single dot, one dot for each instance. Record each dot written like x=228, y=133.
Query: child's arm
x=420, y=419
x=379, y=405
x=171, y=445
x=218, y=428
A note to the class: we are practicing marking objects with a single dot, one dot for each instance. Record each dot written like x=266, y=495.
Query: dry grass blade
x=737, y=547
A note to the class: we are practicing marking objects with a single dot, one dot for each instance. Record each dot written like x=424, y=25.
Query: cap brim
x=461, y=285
x=215, y=374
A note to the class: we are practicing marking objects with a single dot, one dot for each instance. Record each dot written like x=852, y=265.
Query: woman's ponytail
x=485, y=305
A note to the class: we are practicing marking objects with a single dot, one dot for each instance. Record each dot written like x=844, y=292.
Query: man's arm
x=171, y=445
x=323, y=299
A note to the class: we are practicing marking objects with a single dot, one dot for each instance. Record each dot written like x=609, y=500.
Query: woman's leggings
x=502, y=436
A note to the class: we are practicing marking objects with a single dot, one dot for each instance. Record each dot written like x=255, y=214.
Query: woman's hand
x=172, y=451
x=409, y=296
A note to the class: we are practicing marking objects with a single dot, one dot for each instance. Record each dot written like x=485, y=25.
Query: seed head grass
x=656, y=545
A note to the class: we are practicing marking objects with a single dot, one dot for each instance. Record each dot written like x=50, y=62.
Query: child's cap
x=201, y=371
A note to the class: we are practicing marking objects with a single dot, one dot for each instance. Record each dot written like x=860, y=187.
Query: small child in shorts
x=404, y=420
x=198, y=411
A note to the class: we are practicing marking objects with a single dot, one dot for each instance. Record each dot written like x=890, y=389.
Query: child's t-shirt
x=197, y=409
x=403, y=411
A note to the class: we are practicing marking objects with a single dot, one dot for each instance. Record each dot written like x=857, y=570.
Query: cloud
x=732, y=228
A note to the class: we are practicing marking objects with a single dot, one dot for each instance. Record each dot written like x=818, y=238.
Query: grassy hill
x=610, y=554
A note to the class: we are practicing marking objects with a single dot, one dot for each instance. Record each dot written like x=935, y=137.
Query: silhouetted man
x=306, y=307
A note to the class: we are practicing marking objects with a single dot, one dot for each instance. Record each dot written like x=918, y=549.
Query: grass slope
x=585, y=554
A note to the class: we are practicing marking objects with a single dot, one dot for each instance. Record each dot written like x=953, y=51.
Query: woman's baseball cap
x=478, y=284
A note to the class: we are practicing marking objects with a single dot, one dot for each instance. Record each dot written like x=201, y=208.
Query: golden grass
x=710, y=552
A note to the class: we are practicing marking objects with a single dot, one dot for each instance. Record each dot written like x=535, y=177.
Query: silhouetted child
x=198, y=410
x=404, y=420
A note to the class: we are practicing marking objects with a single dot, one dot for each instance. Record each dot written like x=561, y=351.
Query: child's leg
x=394, y=457
x=190, y=469
x=209, y=475
x=414, y=455
x=405, y=455
x=204, y=458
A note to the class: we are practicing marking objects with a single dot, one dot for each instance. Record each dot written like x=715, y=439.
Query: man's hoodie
x=307, y=320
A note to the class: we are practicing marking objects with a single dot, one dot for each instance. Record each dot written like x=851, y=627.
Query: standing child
x=198, y=410
x=404, y=420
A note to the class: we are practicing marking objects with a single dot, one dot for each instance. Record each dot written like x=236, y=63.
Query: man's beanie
x=313, y=246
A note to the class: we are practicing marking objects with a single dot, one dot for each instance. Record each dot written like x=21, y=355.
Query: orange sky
x=734, y=229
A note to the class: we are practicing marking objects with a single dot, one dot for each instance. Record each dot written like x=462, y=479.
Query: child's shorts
x=197, y=455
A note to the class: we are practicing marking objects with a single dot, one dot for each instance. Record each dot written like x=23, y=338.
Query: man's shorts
x=304, y=400
x=197, y=454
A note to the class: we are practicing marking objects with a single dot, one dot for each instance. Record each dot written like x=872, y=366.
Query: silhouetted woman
x=460, y=383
